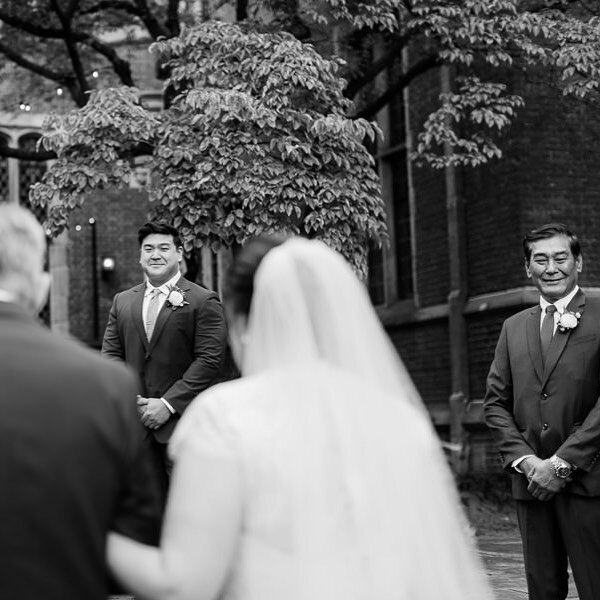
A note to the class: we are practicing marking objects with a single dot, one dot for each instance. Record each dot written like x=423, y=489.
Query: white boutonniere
x=176, y=298
x=568, y=320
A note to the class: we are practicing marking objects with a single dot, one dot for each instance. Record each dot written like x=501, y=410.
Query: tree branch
x=22, y=154
x=356, y=84
x=121, y=67
x=120, y=5
x=29, y=27
x=21, y=61
x=417, y=69
x=79, y=97
x=155, y=29
x=173, y=17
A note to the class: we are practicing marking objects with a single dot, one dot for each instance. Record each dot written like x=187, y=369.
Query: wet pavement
x=503, y=560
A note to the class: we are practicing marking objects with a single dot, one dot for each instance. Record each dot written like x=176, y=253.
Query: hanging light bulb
x=95, y=74
x=59, y=92
x=22, y=106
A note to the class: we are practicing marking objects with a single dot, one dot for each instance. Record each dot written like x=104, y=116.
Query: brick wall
x=425, y=351
x=118, y=215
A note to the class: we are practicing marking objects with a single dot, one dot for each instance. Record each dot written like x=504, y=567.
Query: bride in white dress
x=317, y=475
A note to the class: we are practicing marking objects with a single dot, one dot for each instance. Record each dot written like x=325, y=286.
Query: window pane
x=401, y=216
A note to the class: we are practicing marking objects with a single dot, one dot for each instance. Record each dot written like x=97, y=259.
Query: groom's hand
x=155, y=414
x=543, y=482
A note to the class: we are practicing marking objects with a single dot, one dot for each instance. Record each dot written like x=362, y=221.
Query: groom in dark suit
x=172, y=332
x=543, y=410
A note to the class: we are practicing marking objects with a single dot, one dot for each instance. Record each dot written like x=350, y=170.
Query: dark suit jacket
x=72, y=463
x=185, y=354
x=553, y=410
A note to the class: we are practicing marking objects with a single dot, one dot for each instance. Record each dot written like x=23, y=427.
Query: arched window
x=30, y=172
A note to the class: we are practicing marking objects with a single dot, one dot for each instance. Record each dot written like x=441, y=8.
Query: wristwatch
x=562, y=468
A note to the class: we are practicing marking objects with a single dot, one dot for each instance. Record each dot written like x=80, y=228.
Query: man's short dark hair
x=548, y=231
x=161, y=228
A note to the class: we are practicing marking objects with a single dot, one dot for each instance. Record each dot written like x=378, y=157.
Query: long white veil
x=367, y=437
x=308, y=304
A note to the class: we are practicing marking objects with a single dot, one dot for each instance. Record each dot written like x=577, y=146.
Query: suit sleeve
x=582, y=448
x=138, y=511
x=498, y=407
x=112, y=346
x=210, y=340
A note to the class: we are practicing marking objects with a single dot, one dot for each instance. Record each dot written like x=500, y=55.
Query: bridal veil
x=311, y=314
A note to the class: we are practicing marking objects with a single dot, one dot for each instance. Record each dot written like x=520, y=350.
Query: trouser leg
x=544, y=551
x=579, y=519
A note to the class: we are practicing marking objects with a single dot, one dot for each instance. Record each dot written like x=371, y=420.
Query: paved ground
x=502, y=556
x=501, y=553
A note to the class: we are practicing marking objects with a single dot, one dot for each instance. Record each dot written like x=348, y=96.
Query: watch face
x=563, y=471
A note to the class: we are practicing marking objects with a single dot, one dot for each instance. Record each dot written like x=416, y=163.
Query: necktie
x=152, y=312
x=547, y=330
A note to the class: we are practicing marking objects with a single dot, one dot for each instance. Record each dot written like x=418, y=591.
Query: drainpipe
x=457, y=329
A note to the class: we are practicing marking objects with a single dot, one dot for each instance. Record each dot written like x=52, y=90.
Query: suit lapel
x=136, y=313
x=533, y=341
x=560, y=339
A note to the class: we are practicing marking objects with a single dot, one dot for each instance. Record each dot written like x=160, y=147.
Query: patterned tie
x=152, y=312
x=547, y=330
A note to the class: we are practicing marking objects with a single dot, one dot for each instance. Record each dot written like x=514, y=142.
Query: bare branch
x=154, y=27
x=119, y=5
x=121, y=67
x=20, y=60
x=71, y=45
x=173, y=17
x=29, y=27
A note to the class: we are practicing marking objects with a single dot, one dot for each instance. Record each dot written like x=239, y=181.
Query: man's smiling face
x=553, y=268
x=160, y=258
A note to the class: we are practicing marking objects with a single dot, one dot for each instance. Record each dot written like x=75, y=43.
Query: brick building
x=453, y=270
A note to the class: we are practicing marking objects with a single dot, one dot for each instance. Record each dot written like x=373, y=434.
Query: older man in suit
x=172, y=332
x=73, y=464
x=543, y=410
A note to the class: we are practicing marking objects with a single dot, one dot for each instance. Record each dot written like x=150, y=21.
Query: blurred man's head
x=22, y=254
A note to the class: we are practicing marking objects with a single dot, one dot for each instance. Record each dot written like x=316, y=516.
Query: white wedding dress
x=346, y=494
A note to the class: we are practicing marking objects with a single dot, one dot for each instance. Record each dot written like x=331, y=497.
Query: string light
x=59, y=92
x=25, y=106
x=95, y=74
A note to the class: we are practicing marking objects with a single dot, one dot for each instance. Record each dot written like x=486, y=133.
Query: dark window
x=30, y=172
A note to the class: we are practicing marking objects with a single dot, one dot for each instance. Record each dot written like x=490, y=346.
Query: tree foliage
x=281, y=146
x=256, y=139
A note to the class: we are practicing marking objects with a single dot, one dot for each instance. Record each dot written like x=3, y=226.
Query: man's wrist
x=169, y=407
x=562, y=469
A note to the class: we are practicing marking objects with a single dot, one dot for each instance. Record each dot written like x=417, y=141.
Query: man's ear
x=527, y=269
x=579, y=263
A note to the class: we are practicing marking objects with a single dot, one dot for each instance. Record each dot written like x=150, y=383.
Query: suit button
x=544, y=396
x=545, y=426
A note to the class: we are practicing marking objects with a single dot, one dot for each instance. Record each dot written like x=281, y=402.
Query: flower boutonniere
x=568, y=320
x=176, y=298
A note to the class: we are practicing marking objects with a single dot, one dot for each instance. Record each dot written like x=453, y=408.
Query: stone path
x=501, y=553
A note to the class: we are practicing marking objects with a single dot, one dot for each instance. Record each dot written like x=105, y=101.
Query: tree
x=62, y=42
x=255, y=140
x=478, y=39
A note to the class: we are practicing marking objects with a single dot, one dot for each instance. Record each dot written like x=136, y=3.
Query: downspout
x=457, y=297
